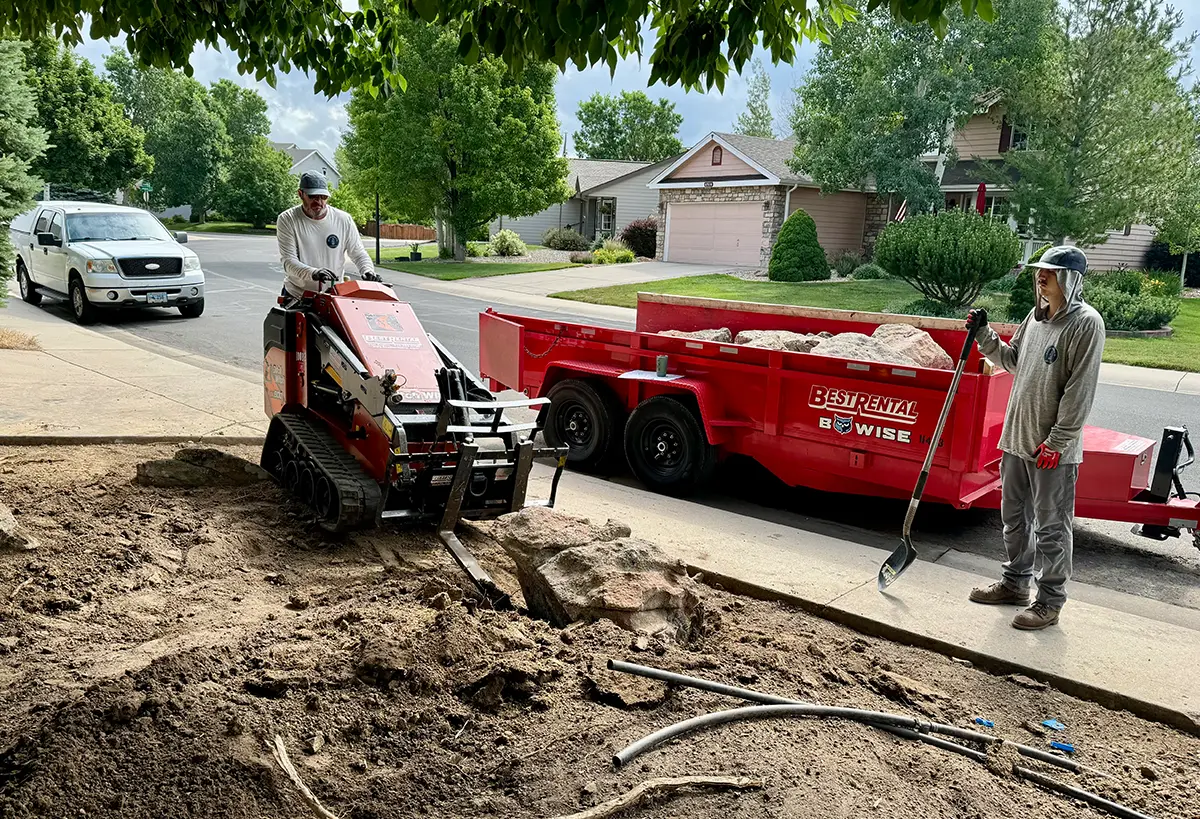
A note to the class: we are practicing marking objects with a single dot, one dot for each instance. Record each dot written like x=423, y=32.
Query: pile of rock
x=900, y=344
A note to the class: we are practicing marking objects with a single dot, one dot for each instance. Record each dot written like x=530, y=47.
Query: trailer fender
x=708, y=404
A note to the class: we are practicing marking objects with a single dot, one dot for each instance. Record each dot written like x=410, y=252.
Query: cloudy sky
x=298, y=115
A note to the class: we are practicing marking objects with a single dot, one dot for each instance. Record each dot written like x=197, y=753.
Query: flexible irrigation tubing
x=897, y=724
x=771, y=699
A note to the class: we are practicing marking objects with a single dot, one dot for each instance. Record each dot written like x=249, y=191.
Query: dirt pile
x=200, y=467
x=160, y=638
x=899, y=344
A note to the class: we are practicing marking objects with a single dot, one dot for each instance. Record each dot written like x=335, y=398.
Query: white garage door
x=724, y=233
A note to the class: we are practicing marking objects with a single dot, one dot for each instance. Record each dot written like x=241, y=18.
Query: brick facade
x=772, y=197
x=879, y=212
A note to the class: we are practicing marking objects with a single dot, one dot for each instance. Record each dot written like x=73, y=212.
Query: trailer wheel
x=666, y=446
x=586, y=418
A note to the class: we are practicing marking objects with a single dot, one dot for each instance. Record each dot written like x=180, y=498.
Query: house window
x=717, y=155
x=608, y=216
x=1013, y=137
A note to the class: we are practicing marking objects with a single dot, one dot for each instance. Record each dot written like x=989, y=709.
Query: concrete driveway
x=587, y=276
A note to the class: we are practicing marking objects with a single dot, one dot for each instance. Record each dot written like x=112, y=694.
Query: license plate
x=156, y=298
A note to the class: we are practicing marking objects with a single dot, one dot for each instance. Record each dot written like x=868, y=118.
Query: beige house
x=724, y=201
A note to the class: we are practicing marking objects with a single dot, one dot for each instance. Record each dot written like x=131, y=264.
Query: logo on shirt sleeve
x=332, y=240
x=1051, y=354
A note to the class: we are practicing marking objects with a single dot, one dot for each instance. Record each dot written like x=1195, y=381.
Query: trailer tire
x=586, y=418
x=667, y=448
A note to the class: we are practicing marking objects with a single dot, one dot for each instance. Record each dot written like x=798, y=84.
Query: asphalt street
x=244, y=277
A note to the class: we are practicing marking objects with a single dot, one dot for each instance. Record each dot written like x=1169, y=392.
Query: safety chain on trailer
x=553, y=344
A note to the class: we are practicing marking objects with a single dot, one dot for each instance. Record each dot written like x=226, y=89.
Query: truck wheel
x=586, y=418
x=29, y=291
x=83, y=310
x=667, y=448
x=193, y=310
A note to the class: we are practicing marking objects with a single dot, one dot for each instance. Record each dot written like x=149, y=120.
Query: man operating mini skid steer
x=1055, y=361
x=314, y=240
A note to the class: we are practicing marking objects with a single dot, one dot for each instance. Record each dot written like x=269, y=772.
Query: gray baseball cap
x=313, y=184
x=1063, y=257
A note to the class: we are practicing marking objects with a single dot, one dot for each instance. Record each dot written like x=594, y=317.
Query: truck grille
x=140, y=268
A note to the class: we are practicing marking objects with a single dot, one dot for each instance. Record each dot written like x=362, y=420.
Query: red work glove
x=1047, y=458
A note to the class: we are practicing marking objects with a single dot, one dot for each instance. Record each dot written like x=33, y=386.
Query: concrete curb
x=875, y=628
x=95, y=440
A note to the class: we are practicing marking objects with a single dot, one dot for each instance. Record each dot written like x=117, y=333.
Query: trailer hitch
x=1165, y=480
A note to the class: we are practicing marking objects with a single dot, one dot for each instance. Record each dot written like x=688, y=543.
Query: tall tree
x=631, y=127
x=1110, y=122
x=883, y=94
x=243, y=111
x=92, y=144
x=468, y=143
x=21, y=145
x=757, y=120
x=696, y=42
x=185, y=132
x=258, y=184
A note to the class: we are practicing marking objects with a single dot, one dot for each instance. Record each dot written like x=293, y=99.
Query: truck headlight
x=101, y=266
x=191, y=262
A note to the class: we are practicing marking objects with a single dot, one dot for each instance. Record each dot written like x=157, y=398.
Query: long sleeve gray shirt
x=1055, y=365
x=306, y=246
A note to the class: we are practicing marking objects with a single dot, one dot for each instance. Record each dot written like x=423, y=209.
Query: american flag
x=900, y=214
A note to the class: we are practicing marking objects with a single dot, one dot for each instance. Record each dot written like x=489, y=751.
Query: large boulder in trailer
x=916, y=344
x=721, y=335
x=571, y=570
x=778, y=340
x=862, y=348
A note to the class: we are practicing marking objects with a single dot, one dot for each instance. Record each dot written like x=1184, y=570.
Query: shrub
x=582, y=257
x=448, y=253
x=1162, y=283
x=1123, y=279
x=1021, y=297
x=846, y=262
x=948, y=257
x=613, y=256
x=1160, y=257
x=564, y=239
x=474, y=251
x=870, y=270
x=615, y=244
x=925, y=307
x=1004, y=284
x=797, y=255
x=641, y=236
x=508, y=243
x=599, y=241
x=1130, y=311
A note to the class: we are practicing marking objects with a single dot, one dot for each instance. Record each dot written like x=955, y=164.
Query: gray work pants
x=1037, y=507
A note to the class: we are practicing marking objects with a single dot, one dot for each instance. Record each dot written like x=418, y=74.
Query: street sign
x=145, y=187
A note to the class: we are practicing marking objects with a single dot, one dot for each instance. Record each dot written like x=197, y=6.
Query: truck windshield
x=84, y=227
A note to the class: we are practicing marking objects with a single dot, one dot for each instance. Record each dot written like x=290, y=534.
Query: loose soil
x=159, y=638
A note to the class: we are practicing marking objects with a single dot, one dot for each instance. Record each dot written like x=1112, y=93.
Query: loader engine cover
x=386, y=335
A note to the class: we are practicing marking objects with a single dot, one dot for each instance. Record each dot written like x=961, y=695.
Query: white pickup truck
x=104, y=256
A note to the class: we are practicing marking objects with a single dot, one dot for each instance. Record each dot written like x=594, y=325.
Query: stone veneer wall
x=878, y=216
x=772, y=197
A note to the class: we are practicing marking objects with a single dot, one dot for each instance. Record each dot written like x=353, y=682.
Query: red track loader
x=373, y=421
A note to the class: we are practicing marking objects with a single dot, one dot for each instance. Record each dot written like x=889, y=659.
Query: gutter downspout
x=787, y=203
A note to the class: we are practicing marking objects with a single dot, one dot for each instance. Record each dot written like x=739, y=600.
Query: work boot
x=1036, y=617
x=998, y=594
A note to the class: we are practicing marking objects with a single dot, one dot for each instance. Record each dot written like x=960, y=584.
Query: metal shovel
x=899, y=560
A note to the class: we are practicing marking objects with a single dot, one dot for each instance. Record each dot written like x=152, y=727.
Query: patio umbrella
x=981, y=199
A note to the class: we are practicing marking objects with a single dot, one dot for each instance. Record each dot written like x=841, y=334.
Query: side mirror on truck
x=181, y=237
x=48, y=240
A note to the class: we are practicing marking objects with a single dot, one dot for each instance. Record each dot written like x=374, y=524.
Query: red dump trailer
x=821, y=422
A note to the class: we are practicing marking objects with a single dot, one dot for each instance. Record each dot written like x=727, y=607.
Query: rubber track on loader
x=359, y=494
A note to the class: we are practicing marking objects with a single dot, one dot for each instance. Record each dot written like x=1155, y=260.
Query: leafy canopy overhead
x=696, y=42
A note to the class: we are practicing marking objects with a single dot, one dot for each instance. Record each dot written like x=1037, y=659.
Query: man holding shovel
x=1055, y=361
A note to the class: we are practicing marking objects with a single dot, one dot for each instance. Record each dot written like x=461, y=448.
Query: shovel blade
x=897, y=563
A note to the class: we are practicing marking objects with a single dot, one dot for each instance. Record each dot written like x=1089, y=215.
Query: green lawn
x=427, y=250
x=452, y=271
x=1180, y=352
x=869, y=295
x=224, y=227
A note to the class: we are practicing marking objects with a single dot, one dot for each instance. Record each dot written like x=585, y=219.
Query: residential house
x=606, y=196
x=310, y=159
x=725, y=200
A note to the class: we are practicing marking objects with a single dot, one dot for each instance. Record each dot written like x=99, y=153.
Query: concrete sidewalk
x=86, y=383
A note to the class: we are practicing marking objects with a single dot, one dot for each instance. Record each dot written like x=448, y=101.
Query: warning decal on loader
x=392, y=342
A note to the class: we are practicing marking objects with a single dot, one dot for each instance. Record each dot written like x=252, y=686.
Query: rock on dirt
x=200, y=467
x=721, y=335
x=13, y=537
x=862, y=348
x=571, y=570
x=778, y=340
x=914, y=343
